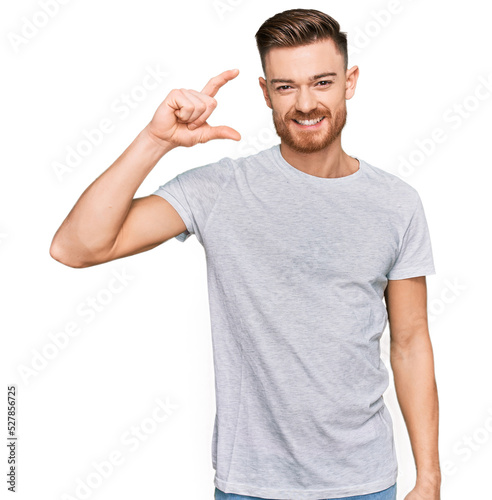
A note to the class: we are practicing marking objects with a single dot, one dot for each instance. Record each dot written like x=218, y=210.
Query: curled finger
x=210, y=104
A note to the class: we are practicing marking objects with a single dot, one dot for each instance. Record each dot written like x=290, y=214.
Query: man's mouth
x=310, y=122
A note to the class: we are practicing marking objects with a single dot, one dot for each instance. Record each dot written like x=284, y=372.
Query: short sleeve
x=172, y=191
x=193, y=194
x=414, y=256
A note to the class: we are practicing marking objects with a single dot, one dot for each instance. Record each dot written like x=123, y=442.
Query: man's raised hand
x=181, y=119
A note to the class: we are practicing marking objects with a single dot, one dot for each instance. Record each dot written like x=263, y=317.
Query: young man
x=303, y=242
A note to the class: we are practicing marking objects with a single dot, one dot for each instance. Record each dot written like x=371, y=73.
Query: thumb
x=220, y=132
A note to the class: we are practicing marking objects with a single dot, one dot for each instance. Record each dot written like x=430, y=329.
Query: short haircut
x=296, y=27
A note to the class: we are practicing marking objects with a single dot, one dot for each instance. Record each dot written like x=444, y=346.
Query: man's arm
x=107, y=223
x=412, y=362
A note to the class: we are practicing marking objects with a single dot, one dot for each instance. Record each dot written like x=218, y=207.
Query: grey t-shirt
x=296, y=267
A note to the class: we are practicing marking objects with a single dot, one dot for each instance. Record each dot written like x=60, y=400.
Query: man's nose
x=306, y=101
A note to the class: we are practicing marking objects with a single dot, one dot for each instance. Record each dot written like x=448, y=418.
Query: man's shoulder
x=218, y=173
x=387, y=184
x=231, y=161
x=216, y=170
x=253, y=156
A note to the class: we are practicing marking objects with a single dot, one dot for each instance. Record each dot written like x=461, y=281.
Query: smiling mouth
x=310, y=122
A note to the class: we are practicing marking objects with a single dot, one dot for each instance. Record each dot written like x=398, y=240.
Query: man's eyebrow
x=312, y=78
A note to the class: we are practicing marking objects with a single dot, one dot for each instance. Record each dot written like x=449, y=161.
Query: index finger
x=218, y=81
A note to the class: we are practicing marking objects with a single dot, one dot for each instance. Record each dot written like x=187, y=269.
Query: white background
x=420, y=62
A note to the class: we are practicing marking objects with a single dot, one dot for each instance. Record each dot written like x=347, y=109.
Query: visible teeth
x=309, y=122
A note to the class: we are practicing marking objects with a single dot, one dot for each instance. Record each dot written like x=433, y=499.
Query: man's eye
x=324, y=83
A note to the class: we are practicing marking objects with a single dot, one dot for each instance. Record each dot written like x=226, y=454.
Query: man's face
x=294, y=96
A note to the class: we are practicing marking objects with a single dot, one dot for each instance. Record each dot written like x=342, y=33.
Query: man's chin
x=306, y=146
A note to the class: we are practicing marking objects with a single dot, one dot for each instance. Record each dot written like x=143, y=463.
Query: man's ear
x=351, y=81
x=263, y=85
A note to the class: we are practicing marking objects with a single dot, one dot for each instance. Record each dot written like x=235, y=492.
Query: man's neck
x=331, y=161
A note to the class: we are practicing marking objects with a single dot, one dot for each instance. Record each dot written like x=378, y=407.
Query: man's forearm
x=94, y=222
x=416, y=390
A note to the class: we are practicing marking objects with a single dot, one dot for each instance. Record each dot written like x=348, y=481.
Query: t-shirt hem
x=306, y=494
x=181, y=211
x=411, y=273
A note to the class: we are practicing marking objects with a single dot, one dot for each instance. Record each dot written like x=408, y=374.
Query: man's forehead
x=306, y=62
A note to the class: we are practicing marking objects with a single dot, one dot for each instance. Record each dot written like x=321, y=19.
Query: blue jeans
x=387, y=494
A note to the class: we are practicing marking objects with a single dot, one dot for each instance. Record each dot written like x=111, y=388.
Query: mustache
x=310, y=116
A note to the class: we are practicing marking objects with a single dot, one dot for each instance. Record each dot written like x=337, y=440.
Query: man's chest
x=311, y=237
